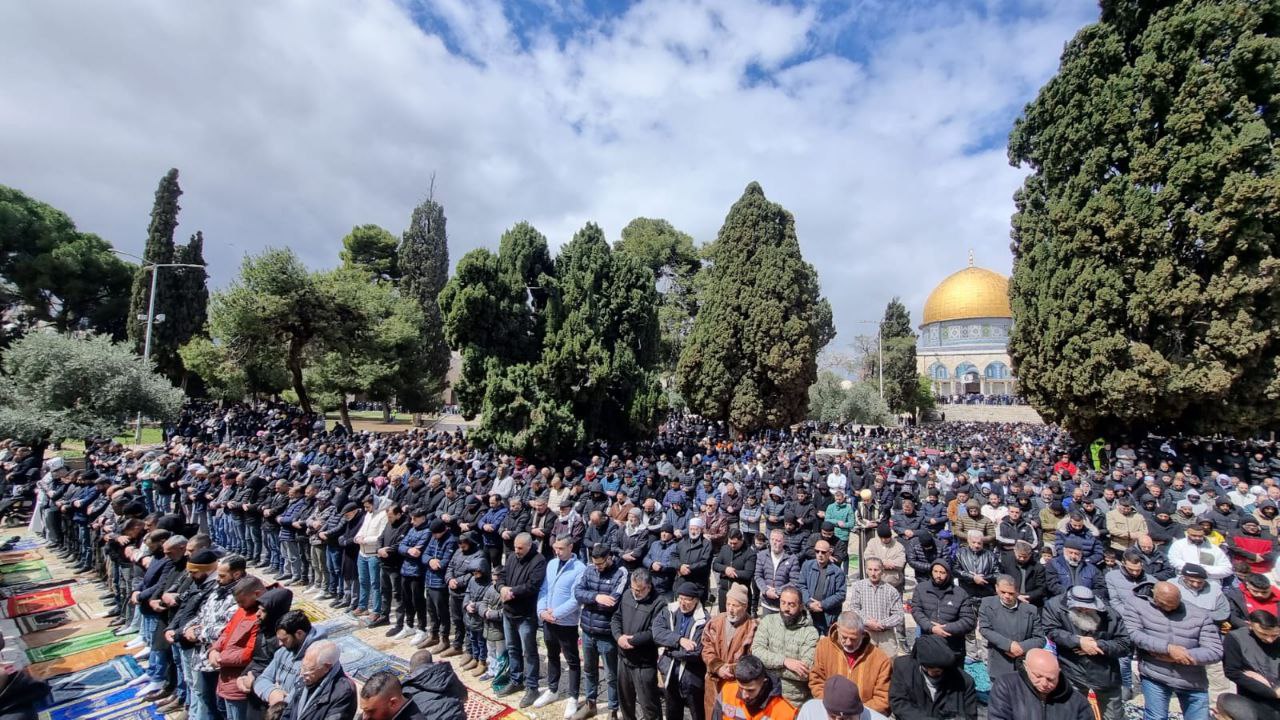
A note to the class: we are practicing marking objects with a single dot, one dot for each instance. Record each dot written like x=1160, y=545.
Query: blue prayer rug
x=76, y=685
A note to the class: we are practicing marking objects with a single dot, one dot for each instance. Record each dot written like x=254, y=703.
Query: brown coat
x=716, y=653
x=870, y=671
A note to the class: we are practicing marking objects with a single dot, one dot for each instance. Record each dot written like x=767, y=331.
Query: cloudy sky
x=881, y=124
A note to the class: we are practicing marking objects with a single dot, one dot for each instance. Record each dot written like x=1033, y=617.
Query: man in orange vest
x=753, y=694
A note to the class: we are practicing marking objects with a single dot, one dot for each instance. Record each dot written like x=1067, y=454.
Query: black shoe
x=511, y=689
x=395, y=629
x=529, y=697
x=113, y=612
x=326, y=596
x=379, y=621
x=117, y=622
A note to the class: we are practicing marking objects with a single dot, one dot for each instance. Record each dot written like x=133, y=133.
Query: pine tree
x=671, y=257
x=423, y=264
x=752, y=354
x=190, y=304
x=1146, y=285
x=159, y=249
x=901, y=380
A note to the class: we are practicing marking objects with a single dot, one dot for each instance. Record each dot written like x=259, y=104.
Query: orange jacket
x=235, y=651
x=729, y=707
x=870, y=670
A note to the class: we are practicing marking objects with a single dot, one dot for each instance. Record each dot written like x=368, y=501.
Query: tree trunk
x=295, y=371
x=343, y=414
x=386, y=411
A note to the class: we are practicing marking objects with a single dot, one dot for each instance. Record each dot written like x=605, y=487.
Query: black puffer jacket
x=949, y=606
x=635, y=618
x=1013, y=698
x=437, y=692
x=910, y=699
x=20, y=695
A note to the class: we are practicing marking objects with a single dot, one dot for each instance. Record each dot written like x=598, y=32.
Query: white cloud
x=292, y=121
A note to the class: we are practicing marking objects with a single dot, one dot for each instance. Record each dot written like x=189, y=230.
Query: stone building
x=964, y=337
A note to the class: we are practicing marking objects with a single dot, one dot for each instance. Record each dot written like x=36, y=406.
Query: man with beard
x=891, y=554
x=601, y=530
x=943, y=609
x=1125, y=525
x=693, y=558
x=633, y=543
x=1175, y=642
x=201, y=567
x=803, y=510
x=879, y=606
x=1014, y=528
x=847, y=651
x=203, y=630
x=516, y=522
x=736, y=566
x=1070, y=569
x=1194, y=548
x=1085, y=535
x=786, y=642
x=928, y=684
x=1092, y=645
x=753, y=694
x=908, y=522
x=725, y=640
x=1250, y=545
x=839, y=550
x=632, y=627
x=295, y=634
x=976, y=566
x=601, y=587
x=971, y=518
x=775, y=569
x=1009, y=626
x=1251, y=659
x=1037, y=690
x=1020, y=564
x=660, y=561
x=559, y=611
x=1153, y=559
x=921, y=552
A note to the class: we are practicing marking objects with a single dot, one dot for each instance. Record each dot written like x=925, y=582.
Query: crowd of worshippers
x=695, y=573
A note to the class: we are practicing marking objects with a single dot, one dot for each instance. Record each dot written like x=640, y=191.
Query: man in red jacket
x=233, y=650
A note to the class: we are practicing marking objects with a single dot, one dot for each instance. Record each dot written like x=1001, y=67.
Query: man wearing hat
x=1071, y=568
x=678, y=632
x=693, y=557
x=928, y=684
x=726, y=638
x=840, y=699
x=435, y=562
x=660, y=561
x=1092, y=643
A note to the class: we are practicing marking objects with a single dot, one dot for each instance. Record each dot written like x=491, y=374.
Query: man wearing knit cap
x=840, y=700
x=678, y=631
x=725, y=639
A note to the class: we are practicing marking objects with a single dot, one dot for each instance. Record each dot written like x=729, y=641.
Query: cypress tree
x=752, y=353
x=901, y=381
x=423, y=264
x=159, y=249
x=1145, y=278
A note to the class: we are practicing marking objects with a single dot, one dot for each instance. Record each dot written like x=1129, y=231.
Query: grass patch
x=74, y=449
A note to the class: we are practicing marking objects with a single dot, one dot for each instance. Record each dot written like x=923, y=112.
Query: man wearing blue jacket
x=559, y=611
x=435, y=562
x=411, y=548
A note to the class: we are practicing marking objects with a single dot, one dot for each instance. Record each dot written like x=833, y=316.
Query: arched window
x=965, y=367
x=938, y=371
x=997, y=371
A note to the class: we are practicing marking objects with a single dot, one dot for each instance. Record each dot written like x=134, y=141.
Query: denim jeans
x=237, y=709
x=272, y=540
x=521, y=635
x=209, y=691
x=333, y=563
x=1156, y=697
x=196, y=708
x=370, y=573
x=180, y=681
x=593, y=648
x=252, y=541
x=86, y=544
x=293, y=563
x=164, y=503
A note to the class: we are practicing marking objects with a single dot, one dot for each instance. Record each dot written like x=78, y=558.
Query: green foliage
x=901, y=381
x=181, y=293
x=752, y=354
x=1146, y=272
x=58, y=386
x=520, y=416
x=831, y=401
x=52, y=273
x=372, y=249
x=670, y=255
x=224, y=378
x=487, y=313
x=423, y=262
x=601, y=347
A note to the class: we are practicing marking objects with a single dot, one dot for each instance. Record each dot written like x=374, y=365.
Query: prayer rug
x=24, y=566
x=314, y=612
x=141, y=711
x=71, y=646
x=385, y=662
x=359, y=657
x=981, y=680
x=18, y=556
x=26, y=577
x=100, y=704
x=39, y=601
x=80, y=660
x=51, y=619
x=334, y=627
x=27, y=544
x=482, y=707
x=53, y=635
x=76, y=685
x=8, y=591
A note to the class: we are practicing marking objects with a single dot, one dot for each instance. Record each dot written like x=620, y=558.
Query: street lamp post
x=151, y=319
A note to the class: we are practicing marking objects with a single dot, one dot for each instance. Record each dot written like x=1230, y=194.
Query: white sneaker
x=571, y=708
x=126, y=630
x=149, y=688
x=404, y=633
x=417, y=638
x=546, y=698
x=134, y=644
x=138, y=681
x=142, y=654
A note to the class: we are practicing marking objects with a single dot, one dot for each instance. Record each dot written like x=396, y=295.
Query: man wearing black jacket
x=632, y=627
x=736, y=565
x=928, y=684
x=1251, y=659
x=1037, y=690
x=1021, y=564
x=693, y=558
x=522, y=577
x=1092, y=643
x=390, y=560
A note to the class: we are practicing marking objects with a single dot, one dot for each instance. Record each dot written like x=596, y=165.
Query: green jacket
x=835, y=514
x=775, y=642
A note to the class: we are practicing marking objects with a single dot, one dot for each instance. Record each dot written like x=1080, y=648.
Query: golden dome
x=973, y=292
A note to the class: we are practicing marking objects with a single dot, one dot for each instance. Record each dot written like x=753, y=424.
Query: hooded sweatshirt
x=437, y=691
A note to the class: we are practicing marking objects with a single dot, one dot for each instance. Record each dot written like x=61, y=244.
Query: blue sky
x=881, y=125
